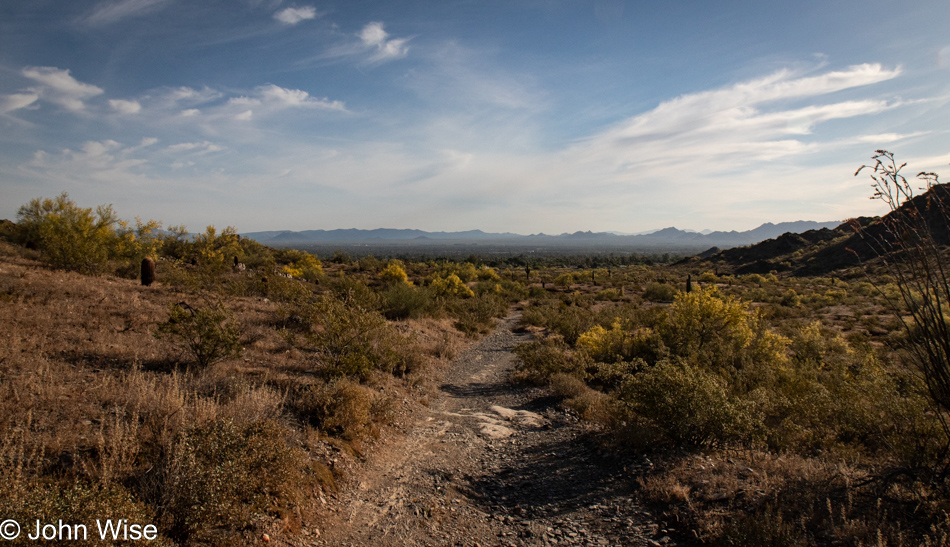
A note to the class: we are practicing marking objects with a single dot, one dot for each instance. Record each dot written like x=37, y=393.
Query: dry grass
x=756, y=498
x=104, y=416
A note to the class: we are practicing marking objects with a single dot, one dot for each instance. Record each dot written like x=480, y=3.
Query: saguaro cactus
x=148, y=271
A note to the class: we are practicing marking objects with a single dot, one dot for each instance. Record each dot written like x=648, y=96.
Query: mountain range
x=672, y=238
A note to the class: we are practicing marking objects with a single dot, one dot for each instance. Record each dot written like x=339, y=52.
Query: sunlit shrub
x=564, y=280
x=605, y=345
x=721, y=333
x=394, y=273
x=450, y=286
x=68, y=236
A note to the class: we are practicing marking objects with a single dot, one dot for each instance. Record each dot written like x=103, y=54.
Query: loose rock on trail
x=491, y=463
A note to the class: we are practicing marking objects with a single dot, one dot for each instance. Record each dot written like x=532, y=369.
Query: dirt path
x=491, y=464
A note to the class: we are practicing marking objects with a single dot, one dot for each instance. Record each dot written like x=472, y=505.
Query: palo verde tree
x=69, y=236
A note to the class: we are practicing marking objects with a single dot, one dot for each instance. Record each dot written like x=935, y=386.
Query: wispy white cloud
x=16, y=101
x=735, y=122
x=204, y=147
x=125, y=107
x=109, y=12
x=375, y=37
x=59, y=87
x=270, y=98
x=292, y=16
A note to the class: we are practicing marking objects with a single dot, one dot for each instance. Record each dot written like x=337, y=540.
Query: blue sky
x=532, y=116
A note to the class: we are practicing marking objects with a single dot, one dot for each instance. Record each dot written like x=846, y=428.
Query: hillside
x=819, y=252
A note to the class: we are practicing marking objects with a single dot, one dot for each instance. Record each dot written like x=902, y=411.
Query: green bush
x=722, y=333
x=352, y=341
x=688, y=406
x=208, y=334
x=403, y=301
x=68, y=236
x=477, y=315
x=659, y=292
x=542, y=359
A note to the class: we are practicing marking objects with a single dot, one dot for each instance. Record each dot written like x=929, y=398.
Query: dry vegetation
x=777, y=409
x=219, y=402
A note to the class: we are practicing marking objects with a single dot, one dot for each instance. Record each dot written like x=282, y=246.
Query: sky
x=506, y=116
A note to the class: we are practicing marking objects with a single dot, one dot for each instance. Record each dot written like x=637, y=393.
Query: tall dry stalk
x=911, y=241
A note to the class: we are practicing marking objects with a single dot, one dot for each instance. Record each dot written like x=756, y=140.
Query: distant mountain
x=821, y=251
x=672, y=238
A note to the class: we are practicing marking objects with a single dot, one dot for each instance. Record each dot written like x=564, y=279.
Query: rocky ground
x=490, y=463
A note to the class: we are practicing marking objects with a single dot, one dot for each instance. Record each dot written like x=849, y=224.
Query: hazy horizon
x=528, y=117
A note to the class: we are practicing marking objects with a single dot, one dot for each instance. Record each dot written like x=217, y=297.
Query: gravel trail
x=491, y=464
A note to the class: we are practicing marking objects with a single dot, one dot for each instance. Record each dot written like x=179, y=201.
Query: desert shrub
x=214, y=252
x=394, y=274
x=132, y=244
x=722, y=333
x=609, y=294
x=403, y=301
x=452, y=285
x=282, y=289
x=477, y=315
x=221, y=475
x=354, y=292
x=708, y=277
x=26, y=499
x=208, y=334
x=301, y=264
x=688, y=406
x=605, y=345
x=488, y=274
x=536, y=292
x=513, y=291
x=588, y=403
x=68, y=236
x=790, y=299
x=564, y=280
x=753, y=278
x=466, y=272
x=352, y=341
x=542, y=359
x=341, y=408
x=659, y=292
x=369, y=264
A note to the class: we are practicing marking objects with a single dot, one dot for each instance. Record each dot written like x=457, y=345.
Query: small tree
x=209, y=334
x=911, y=241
